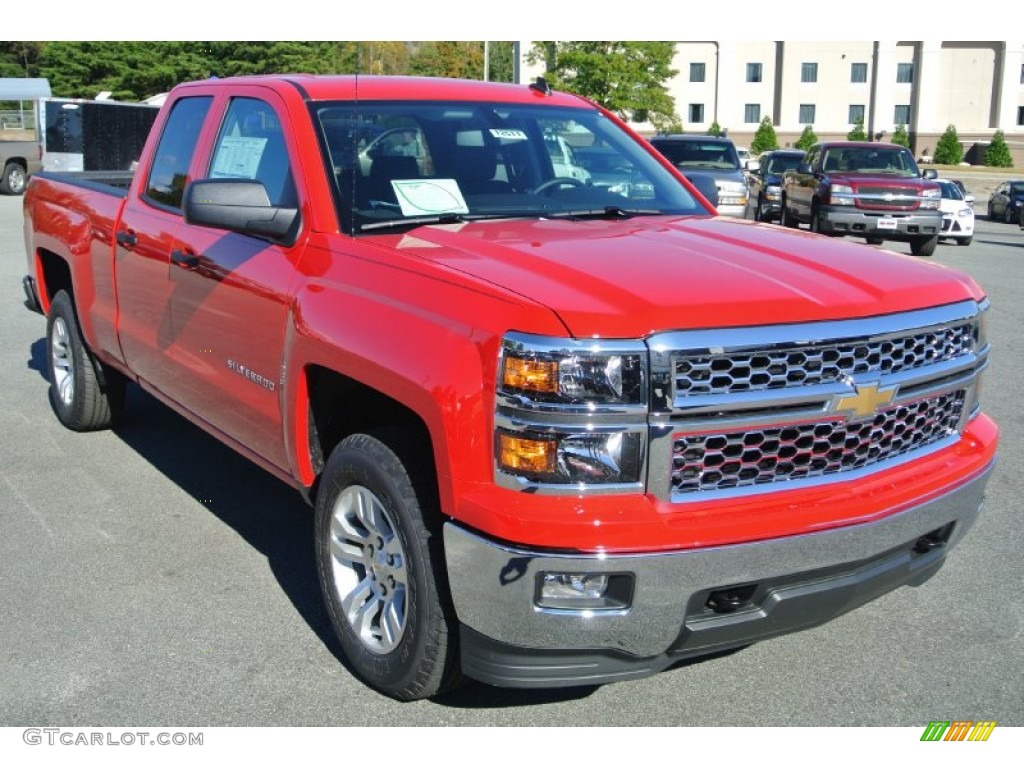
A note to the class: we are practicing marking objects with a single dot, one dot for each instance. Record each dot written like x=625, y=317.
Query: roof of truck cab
x=385, y=88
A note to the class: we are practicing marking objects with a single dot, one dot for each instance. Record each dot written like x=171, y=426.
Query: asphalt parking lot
x=151, y=576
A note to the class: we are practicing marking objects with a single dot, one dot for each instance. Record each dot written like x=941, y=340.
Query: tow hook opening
x=933, y=540
x=731, y=599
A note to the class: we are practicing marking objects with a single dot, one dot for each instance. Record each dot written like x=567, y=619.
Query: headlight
x=574, y=373
x=570, y=414
x=773, y=192
x=930, y=199
x=841, y=194
x=965, y=213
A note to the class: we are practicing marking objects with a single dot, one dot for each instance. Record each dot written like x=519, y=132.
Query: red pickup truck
x=865, y=189
x=556, y=431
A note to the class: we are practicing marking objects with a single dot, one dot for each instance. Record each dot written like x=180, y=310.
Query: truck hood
x=627, y=279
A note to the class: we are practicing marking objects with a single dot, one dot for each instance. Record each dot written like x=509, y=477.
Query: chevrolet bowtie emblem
x=866, y=400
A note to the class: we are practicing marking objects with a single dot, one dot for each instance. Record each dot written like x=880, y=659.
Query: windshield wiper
x=442, y=218
x=608, y=212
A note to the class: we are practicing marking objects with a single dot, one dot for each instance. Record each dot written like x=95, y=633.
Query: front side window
x=696, y=72
x=251, y=146
x=169, y=172
x=806, y=114
x=905, y=72
x=809, y=72
x=754, y=72
x=403, y=163
x=859, y=72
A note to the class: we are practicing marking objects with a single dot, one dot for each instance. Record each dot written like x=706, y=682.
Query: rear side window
x=169, y=172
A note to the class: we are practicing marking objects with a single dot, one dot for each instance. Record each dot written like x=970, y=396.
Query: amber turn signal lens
x=519, y=454
x=530, y=375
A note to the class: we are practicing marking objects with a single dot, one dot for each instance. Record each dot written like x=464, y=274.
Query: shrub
x=765, y=138
x=948, y=151
x=716, y=129
x=900, y=136
x=857, y=133
x=807, y=139
x=998, y=154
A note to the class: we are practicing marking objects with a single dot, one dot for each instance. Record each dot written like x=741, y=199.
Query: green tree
x=857, y=133
x=765, y=138
x=716, y=129
x=997, y=155
x=626, y=77
x=900, y=136
x=948, y=151
x=807, y=139
x=20, y=58
x=449, y=59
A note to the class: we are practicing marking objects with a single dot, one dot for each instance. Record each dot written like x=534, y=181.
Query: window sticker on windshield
x=509, y=134
x=429, y=197
x=238, y=157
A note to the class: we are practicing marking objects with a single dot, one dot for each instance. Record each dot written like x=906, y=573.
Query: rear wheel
x=381, y=568
x=86, y=395
x=924, y=246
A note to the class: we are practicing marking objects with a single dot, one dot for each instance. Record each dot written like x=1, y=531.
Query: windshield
x=889, y=160
x=779, y=164
x=1017, y=189
x=397, y=163
x=686, y=153
x=950, y=191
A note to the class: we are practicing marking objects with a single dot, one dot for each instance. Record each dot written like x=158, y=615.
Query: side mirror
x=238, y=205
x=706, y=186
x=931, y=173
x=969, y=199
x=804, y=168
x=752, y=166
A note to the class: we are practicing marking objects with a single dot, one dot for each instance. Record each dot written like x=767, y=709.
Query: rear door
x=144, y=238
x=231, y=292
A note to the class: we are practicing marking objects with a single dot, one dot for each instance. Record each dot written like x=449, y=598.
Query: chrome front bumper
x=798, y=582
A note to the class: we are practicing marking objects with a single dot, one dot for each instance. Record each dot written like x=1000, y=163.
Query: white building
x=977, y=86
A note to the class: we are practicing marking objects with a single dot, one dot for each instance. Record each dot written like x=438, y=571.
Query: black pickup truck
x=871, y=190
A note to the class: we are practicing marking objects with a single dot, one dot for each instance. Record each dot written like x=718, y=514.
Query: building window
x=1022, y=73
x=901, y=115
x=696, y=113
x=809, y=72
x=858, y=72
x=696, y=71
x=754, y=73
x=806, y=114
x=856, y=114
x=905, y=72
x=751, y=113
x=1020, y=115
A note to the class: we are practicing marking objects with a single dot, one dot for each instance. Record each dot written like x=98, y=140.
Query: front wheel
x=788, y=220
x=965, y=240
x=381, y=568
x=874, y=240
x=14, y=179
x=86, y=396
x=924, y=246
x=1007, y=215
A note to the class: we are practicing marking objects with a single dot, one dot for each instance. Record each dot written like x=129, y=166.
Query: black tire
x=85, y=394
x=965, y=240
x=758, y=211
x=788, y=220
x=815, y=225
x=991, y=213
x=924, y=246
x=1007, y=215
x=874, y=240
x=381, y=567
x=14, y=179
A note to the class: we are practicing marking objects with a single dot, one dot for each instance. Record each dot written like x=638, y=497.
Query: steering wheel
x=560, y=181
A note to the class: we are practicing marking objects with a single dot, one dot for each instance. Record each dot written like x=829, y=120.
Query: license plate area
x=889, y=224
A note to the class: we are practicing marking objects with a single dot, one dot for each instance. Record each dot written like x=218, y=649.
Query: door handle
x=126, y=238
x=185, y=259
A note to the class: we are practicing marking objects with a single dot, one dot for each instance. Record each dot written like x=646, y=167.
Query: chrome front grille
x=887, y=198
x=742, y=410
x=818, y=363
x=712, y=462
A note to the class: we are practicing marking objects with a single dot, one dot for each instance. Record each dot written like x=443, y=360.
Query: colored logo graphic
x=958, y=730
